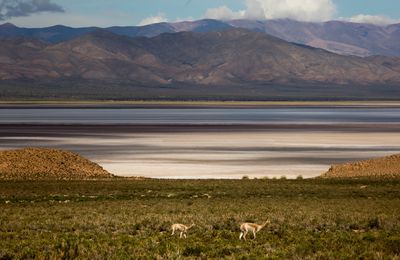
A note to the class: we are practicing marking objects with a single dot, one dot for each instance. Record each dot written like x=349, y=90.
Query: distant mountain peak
x=244, y=62
x=59, y=26
x=341, y=37
x=8, y=25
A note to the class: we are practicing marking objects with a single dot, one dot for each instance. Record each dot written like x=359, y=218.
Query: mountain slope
x=60, y=33
x=215, y=58
x=233, y=59
x=53, y=34
x=336, y=36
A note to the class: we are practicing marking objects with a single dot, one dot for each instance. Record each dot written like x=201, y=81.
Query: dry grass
x=384, y=167
x=122, y=219
x=44, y=163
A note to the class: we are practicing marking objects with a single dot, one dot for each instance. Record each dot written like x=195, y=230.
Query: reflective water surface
x=201, y=116
x=209, y=143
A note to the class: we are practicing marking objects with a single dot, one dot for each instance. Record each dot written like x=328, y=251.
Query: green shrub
x=330, y=220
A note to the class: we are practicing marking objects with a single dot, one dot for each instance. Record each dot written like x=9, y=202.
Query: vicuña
x=183, y=229
x=251, y=227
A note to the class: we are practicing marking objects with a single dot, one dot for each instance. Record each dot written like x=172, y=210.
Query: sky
x=103, y=13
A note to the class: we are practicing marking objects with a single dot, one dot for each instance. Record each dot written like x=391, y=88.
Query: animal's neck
x=262, y=226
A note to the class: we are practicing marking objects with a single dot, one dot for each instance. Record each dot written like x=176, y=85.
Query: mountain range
x=209, y=61
x=335, y=36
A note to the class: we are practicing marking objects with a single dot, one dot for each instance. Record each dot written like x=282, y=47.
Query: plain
x=129, y=218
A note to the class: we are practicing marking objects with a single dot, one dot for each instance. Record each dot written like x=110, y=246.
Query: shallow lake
x=208, y=143
x=201, y=116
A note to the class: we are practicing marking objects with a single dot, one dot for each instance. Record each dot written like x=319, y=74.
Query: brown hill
x=42, y=163
x=234, y=56
x=336, y=36
x=385, y=167
x=232, y=64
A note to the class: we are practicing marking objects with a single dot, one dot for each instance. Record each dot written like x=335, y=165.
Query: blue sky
x=348, y=8
x=134, y=12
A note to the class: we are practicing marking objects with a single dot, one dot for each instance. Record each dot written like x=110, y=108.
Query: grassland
x=123, y=219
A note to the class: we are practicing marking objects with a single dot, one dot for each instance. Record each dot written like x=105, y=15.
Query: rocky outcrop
x=47, y=164
x=385, y=167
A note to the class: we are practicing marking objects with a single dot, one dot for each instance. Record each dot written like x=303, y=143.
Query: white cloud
x=223, y=13
x=255, y=9
x=301, y=10
x=159, y=18
x=372, y=19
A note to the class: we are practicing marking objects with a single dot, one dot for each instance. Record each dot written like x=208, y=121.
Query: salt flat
x=214, y=153
x=253, y=154
x=209, y=143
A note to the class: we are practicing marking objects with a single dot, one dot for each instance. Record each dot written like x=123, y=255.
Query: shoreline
x=51, y=104
x=134, y=143
x=194, y=128
x=202, y=151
